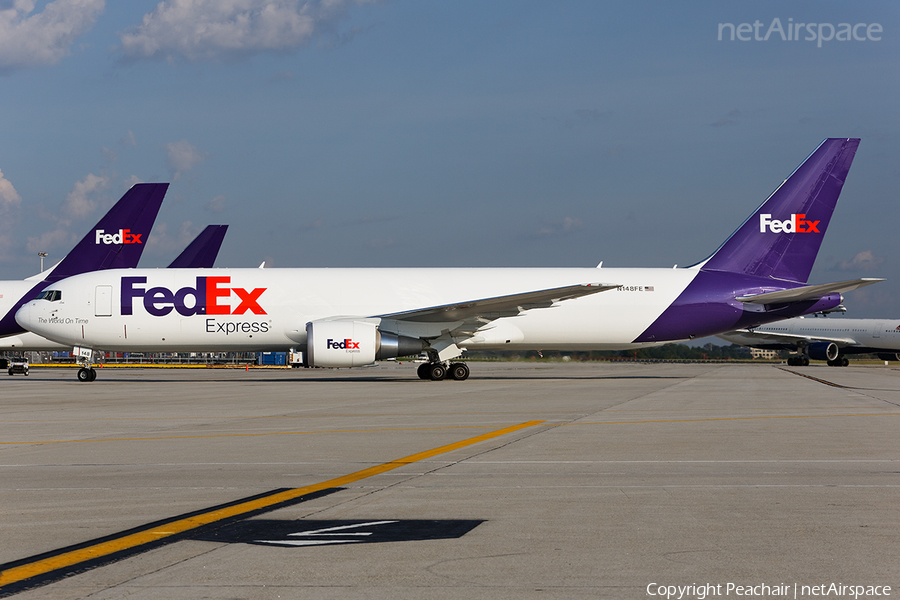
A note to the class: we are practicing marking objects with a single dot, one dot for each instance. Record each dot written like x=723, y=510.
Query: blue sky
x=443, y=133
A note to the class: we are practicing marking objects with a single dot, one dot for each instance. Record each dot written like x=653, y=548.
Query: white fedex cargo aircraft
x=353, y=317
x=824, y=338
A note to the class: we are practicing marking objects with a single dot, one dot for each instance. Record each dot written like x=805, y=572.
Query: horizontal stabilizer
x=808, y=292
x=500, y=306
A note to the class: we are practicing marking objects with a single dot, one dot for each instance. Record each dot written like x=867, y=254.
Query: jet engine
x=888, y=356
x=354, y=344
x=823, y=351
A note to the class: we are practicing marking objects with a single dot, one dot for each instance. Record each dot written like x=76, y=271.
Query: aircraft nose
x=24, y=315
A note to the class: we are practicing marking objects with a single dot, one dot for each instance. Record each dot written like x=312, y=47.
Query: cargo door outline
x=103, y=301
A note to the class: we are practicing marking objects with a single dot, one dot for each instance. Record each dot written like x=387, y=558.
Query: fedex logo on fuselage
x=123, y=237
x=796, y=224
x=347, y=344
x=208, y=297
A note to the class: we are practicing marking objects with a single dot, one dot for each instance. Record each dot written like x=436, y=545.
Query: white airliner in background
x=824, y=338
x=353, y=317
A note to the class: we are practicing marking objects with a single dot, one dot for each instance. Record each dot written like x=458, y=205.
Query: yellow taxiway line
x=159, y=532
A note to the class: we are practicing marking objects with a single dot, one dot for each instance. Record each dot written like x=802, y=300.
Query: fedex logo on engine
x=209, y=297
x=123, y=237
x=796, y=224
x=347, y=344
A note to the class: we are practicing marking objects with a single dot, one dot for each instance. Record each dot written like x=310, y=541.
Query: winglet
x=202, y=252
x=781, y=239
x=118, y=239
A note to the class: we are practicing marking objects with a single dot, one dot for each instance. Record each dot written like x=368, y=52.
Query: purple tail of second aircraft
x=115, y=242
x=118, y=239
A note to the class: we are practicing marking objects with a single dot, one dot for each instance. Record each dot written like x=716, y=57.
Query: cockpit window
x=51, y=295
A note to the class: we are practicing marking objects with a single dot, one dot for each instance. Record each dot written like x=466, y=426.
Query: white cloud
x=43, y=38
x=10, y=202
x=216, y=205
x=49, y=240
x=128, y=140
x=864, y=261
x=81, y=200
x=557, y=227
x=213, y=29
x=134, y=179
x=162, y=242
x=183, y=156
x=9, y=197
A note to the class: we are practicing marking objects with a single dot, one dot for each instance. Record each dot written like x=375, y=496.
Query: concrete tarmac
x=620, y=480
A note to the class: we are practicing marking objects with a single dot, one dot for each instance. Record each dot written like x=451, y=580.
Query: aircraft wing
x=808, y=292
x=488, y=309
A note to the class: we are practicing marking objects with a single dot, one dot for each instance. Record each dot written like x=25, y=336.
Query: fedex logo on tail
x=796, y=224
x=210, y=296
x=123, y=237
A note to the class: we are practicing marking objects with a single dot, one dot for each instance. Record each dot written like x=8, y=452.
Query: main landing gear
x=798, y=361
x=803, y=361
x=437, y=371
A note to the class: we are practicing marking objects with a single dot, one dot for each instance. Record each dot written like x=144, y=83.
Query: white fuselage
x=876, y=334
x=90, y=310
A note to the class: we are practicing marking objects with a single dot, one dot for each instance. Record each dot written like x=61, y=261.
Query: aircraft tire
x=423, y=371
x=844, y=361
x=436, y=371
x=84, y=375
x=459, y=371
x=804, y=362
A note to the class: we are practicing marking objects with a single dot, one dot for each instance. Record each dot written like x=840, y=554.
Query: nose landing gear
x=85, y=356
x=87, y=374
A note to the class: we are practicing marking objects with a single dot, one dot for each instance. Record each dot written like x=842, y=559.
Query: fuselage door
x=103, y=301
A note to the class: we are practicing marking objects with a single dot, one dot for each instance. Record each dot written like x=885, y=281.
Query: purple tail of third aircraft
x=202, y=252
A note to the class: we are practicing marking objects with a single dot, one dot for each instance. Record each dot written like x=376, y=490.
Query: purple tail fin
x=781, y=239
x=202, y=252
x=118, y=239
